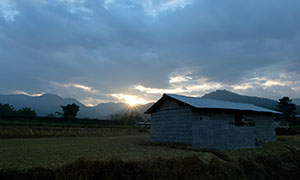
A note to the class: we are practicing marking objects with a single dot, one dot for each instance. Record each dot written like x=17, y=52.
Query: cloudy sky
x=117, y=50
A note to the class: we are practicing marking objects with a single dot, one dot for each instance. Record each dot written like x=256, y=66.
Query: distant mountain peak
x=221, y=92
x=225, y=92
x=49, y=95
x=296, y=101
x=234, y=97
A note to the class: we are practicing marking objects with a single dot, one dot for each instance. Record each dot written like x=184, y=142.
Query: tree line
x=69, y=113
x=7, y=111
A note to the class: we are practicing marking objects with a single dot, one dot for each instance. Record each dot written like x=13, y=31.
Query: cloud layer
x=99, y=51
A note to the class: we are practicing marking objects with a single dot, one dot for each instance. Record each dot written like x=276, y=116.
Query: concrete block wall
x=216, y=132
x=264, y=128
x=172, y=123
x=241, y=137
x=214, y=116
x=178, y=123
x=204, y=133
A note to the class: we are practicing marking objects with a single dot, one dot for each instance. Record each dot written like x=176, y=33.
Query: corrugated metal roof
x=219, y=104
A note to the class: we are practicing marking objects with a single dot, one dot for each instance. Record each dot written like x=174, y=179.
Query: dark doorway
x=238, y=116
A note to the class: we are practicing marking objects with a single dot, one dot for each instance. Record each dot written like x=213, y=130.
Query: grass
x=62, y=123
x=79, y=128
x=56, y=131
x=297, y=128
x=135, y=157
x=52, y=152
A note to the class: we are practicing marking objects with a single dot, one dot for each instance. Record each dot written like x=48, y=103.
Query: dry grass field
x=134, y=157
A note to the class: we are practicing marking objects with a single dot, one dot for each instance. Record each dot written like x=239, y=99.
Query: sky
x=135, y=50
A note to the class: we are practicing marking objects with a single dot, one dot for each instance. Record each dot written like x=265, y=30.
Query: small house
x=208, y=123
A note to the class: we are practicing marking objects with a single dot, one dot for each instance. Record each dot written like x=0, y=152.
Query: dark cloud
x=115, y=47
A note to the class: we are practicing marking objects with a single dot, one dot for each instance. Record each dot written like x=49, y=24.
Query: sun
x=134, y=100
x=131, y=100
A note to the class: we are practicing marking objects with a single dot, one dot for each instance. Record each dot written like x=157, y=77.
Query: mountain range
x=258, y=101
x=50, y=103
x=296, y=101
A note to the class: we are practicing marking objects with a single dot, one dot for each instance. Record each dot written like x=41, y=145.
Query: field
x=42, y=128
x=41, y=131
x=136, y=158
x=51, y=152
x=35, y=150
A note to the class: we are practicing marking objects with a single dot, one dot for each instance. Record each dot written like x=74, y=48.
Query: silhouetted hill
x=230, y=96
x=296, y=101
x=50, y=103
x=106, y=109
x=46, y=104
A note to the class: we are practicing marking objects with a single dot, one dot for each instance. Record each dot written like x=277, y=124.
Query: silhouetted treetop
x=70, y=111
x=26, y=112
x=286, y=106
x=6, y=110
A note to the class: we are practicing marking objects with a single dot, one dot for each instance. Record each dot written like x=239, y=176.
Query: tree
x=287, y=108
x=26, y=113
x=6, y=110
x=70, y=111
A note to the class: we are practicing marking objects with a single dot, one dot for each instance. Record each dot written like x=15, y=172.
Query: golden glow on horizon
x=130, y=99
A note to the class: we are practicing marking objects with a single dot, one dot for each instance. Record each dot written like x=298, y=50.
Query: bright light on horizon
x=131, y=100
